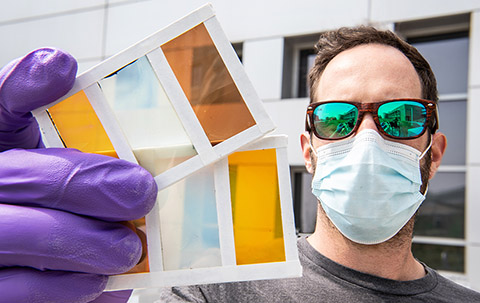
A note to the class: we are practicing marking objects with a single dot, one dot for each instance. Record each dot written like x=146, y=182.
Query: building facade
x=274, y=40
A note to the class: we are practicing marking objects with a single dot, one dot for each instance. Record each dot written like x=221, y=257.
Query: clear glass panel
x=449, y=61
x=442, y=213
x=79, y=127
x=454, y=125
x=147, y=117
x=188, y=223
x=207, y=84
x=257, y=220
x=441, y=257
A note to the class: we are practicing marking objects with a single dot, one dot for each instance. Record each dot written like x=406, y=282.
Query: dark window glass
x=305, y=203
x=442, y=213
x=441, y=257
x=307, y=59
x=454, y=125
x=448, y=58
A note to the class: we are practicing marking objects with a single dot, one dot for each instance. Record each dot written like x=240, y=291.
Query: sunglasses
x=397, y=119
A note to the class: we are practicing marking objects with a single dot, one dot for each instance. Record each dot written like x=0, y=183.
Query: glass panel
x=207, y=84
x=147, y=117
x=306, y=62
x=441, y=257
x=454, y=125
x=449, y=61
x=79, y=127
x=257, y=220
x=305, y=202
x=442, y=213
x=188, y=223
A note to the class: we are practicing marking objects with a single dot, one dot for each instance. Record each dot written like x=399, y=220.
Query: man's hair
x=332, y=43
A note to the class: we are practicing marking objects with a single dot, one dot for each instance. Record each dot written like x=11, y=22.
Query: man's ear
x=306, y=150
x=439, y=144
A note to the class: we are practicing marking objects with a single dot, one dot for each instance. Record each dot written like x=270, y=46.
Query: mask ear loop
x=427, y=149
x=420, y=158
x=312, y=149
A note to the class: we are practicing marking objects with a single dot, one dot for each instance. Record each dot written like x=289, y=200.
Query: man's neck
x=392, y=259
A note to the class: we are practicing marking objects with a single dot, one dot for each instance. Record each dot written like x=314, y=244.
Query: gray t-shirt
x=324, y=280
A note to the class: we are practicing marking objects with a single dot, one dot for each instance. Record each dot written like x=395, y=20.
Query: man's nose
x=367, y=123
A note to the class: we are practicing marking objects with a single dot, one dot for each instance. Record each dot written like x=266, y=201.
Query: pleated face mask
x=369, y=187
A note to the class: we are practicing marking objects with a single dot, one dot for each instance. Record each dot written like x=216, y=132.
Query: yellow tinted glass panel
x=79, y=127
x=207, y=84
x=257, y=220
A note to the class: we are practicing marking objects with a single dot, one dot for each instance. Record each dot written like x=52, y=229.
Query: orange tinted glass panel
x=257, y=221
x=206, y=82
x=79, y=127
x=140, y=229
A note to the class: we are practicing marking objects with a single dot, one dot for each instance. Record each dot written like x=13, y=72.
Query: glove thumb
x=32, y=81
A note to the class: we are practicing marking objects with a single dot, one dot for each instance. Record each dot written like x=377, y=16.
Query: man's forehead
x=374, y=69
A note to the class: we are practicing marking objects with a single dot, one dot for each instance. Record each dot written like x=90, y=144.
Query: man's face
x=370, y=73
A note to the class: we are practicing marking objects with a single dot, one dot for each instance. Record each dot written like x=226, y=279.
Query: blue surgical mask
x=369, y=187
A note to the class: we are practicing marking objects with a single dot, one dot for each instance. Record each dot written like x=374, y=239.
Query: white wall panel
x=20, y=9
x=251, y=19
x=387, y=11
x=289, y=116
x=474, y=71
x=473, y=110
x=130, y=23
x=263, y=62
x=85, y=64
x=241, y=20
x=79, y=34
x=473, y=205
x=473, y=264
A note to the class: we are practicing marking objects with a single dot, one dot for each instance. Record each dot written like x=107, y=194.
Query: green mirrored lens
x=335, y=120
x=402, y=119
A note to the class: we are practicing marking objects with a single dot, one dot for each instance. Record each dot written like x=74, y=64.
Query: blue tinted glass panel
x=188, y=223
x=147, y=117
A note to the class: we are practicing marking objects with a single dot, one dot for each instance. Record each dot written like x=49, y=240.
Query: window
x=439, y=230
x=238, y=47
x=304, y=202
x=299, y=55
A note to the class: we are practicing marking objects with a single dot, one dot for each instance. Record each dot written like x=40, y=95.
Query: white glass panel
x=147, y=117
x=188, y=220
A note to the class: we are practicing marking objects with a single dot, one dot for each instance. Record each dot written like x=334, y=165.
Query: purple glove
x=58, y=207
x=27, y=83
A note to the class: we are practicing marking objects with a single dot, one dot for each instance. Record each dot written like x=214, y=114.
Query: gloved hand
x=59, y=238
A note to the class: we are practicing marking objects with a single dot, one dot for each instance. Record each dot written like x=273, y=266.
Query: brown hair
x=332, y=43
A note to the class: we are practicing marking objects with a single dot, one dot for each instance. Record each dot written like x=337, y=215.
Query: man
x=369, y=180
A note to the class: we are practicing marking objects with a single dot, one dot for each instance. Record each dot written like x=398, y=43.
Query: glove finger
x=33, y=286
x=88, y=184
x=37, y=79
x=114, y=297
x=48, y=239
